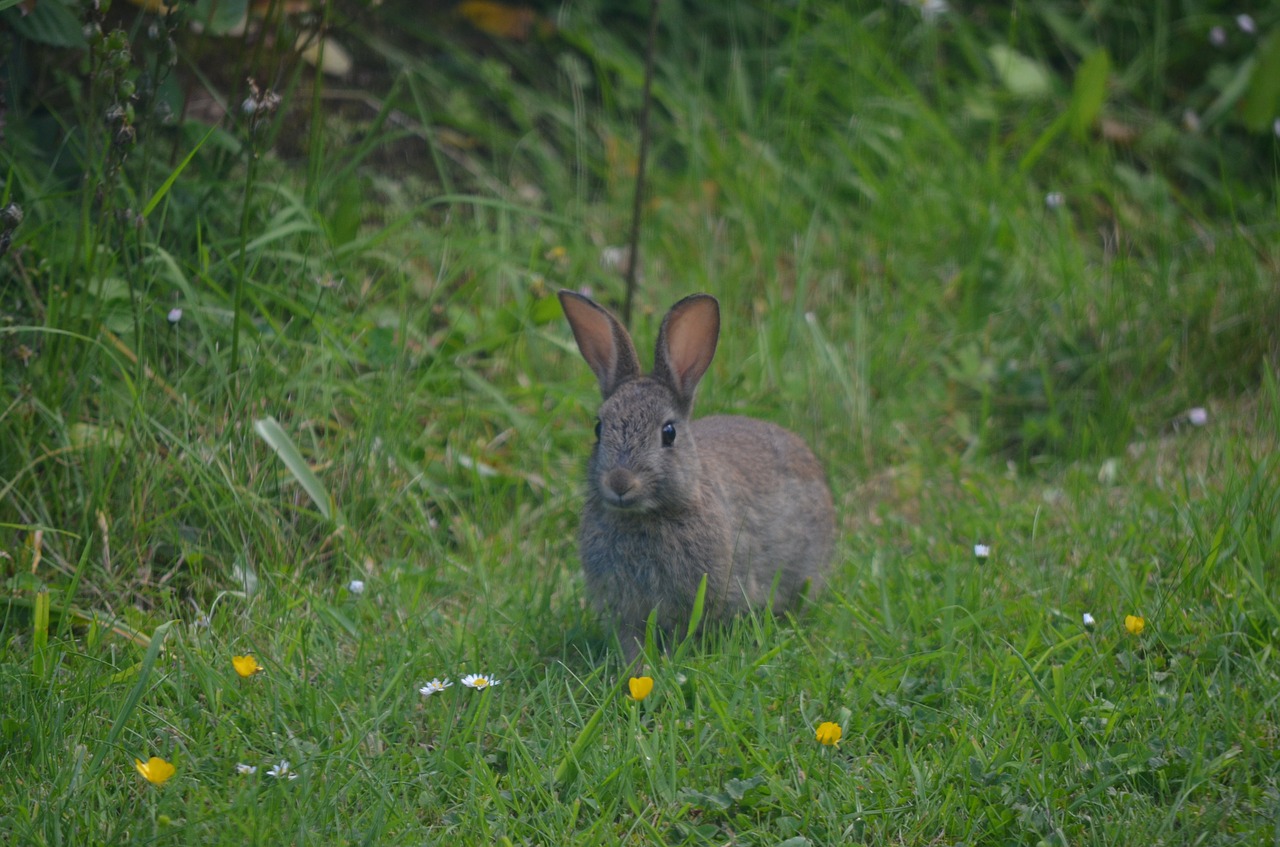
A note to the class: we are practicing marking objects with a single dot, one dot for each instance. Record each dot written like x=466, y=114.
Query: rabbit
x=670, y=499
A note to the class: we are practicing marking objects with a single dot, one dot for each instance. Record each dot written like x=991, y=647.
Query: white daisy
x=356, y=586
x=479, y=681
x=1087, y=619
x=242, y=768
x=981, y=551
x=435, y=686
x=281, y=771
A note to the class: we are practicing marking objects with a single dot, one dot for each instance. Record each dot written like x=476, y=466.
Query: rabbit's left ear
x=603, y=342
x=687, y=344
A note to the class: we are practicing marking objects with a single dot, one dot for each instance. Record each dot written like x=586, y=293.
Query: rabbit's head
x=645, y=459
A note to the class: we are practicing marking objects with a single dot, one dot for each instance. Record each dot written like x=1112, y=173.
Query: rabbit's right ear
x=603, y=342
x=687, y=344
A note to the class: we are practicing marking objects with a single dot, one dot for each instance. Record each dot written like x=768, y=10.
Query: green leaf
x=336, y=617
x=1051, y=704
x=739, y=788
x=1089, y=92
x=1261, y=103
x=1044, y=142
x=125, y=674
x=711, y=801
x=40, y=633
x=278, y=440
x=220, y=17
x=345, y=212
x=50, y=22
x=567, y=770
x=173, y=176
x=1021, y=75
x=1230, y=92
x=699, y=607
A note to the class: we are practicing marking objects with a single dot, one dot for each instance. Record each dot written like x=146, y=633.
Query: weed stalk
x=637, y=206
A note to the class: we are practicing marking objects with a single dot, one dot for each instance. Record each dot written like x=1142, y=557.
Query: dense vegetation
x=282, y=374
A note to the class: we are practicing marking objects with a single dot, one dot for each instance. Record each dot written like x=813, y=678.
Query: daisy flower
x=479, y=681
x=281, y=771
x=435, y=686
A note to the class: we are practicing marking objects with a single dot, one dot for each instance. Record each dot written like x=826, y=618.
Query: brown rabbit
x=670, y=499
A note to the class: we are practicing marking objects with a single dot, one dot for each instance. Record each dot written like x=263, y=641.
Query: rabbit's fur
x=670, y=499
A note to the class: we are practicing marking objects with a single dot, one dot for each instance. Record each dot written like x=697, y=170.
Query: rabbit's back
x=780, y=518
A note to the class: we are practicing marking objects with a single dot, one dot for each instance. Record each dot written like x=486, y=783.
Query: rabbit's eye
x=668, y=434
x=597, y=429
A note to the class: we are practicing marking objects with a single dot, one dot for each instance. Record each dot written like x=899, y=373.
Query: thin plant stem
x=637, y=206
x=243, y=266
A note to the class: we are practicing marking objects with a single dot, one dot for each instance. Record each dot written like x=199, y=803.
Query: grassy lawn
x=302, y=391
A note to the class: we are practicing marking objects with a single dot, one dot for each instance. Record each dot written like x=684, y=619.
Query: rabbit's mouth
x=624, y=503
x=621, y=491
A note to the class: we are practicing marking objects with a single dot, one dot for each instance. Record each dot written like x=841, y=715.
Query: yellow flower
x=829, y=733
x=246, y=665
x=156, y=770
x=640, y=686
x=1134, y=624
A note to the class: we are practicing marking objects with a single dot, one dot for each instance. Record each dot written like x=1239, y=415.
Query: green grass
x=971, y=365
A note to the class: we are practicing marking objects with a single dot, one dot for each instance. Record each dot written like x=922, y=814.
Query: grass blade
x=1089, y=92
x=173, y=177
x=699, y=607
x=40, y=633
x=567, y=770
x=278, y=440
x=131, y=702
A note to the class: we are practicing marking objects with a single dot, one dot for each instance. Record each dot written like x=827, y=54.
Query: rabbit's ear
x=603, y=341
x=687, y=344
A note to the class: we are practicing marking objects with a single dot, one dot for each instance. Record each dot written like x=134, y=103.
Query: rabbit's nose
x=618, y=482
